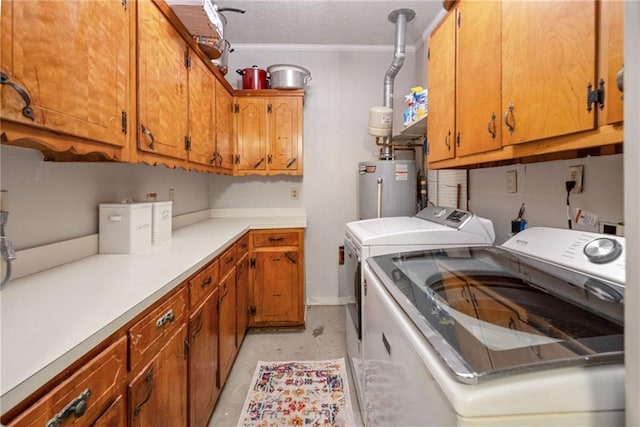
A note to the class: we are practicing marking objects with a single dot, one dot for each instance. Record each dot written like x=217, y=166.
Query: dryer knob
x=602, y=250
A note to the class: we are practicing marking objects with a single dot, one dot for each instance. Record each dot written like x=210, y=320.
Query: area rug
x=303, y=393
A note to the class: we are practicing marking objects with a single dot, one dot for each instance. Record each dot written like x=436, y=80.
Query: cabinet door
x=204, y=387
x=285, y=134
x=242, y=298
x=611, y=59
x=277, y=287
x=158, y=393
x=251, y=134
x=224, y=128
x=202, y=115
x=227, y=298
x=114, y=416
x=548, y=52
x=478, y=78
x=162, y=84
x=441, y=84
x=71, y=59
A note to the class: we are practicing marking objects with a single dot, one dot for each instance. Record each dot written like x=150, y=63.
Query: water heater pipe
x=400, y=17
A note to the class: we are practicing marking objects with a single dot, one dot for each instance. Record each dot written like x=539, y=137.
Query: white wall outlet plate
x=293, y=193
x=575, y=174
x=512, y=181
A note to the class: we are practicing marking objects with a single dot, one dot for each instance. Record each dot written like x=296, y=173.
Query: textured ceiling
x=334, y=22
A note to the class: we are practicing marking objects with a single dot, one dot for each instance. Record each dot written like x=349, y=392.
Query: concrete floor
x=323, y=338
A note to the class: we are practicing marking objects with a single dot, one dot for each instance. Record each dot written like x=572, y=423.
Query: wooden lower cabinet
x=158, y=392
x=99, y=384
x=276, y=288
x=242, y=298
x=227, y=337
x=204, y=384
x=114, y=416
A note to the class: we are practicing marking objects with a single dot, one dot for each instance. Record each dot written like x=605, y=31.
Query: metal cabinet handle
x=206, y=282
x=167, y=318
x=77, y=407
x=491, y=126
x=149, y=381
x=620, y=79
x=27, y=111
x=198, y=328
x=276, y=239
x=259, y=163
x=150, y=135
x=511, y=125
x=290, y=258
x=291, y=162
x=447, y=139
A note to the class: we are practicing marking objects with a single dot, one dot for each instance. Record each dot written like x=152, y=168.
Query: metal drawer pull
x=150, y=135
x=229, y=260
x=511, y=124
x=148, y=380
x=276, y=239
x=291, y=162
x=168, y=317
x=77, y=407
x=446, y=142
x=27, y=111
x=206, y=282
x=259, y=163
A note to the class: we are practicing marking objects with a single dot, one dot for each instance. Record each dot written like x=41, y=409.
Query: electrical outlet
x=575, y=174
x=293, y=191
x=512, y=181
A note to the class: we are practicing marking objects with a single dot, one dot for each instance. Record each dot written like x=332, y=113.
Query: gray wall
x=51, y=202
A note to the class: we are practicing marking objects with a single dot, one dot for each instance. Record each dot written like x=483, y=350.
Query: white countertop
x=50, y=319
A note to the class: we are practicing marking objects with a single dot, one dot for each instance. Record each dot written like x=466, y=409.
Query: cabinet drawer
x=97, y=384
x=275, y=238
x=228, y=260
x=242, y=246
x=203, y=283
x=151, y=332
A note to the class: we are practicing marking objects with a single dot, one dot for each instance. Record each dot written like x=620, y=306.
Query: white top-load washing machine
x=529, y=333
x=432, y=227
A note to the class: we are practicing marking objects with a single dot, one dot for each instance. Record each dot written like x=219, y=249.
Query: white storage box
x=124, y=227
x=161, y=222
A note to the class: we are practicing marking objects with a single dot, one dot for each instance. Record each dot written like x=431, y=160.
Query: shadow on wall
x=256, y=192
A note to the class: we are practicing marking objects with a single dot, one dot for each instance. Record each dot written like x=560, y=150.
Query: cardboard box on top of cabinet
x=124, y=228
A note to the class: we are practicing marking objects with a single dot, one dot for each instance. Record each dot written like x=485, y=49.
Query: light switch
x=512, y=181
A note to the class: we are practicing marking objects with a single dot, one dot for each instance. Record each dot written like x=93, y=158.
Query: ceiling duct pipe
x=400, y=17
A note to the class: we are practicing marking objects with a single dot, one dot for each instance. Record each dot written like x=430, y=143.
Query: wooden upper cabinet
x=284, y=135
x=478, y=78
x=224, y=128
x=441, y=88
x=202, y=113
x=251, y=133
x=268, y=134
x=69, y=63
x=548, y=59
x=611, y=59
x=162, y=85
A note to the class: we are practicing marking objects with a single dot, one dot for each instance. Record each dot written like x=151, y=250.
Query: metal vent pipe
x=400, y=17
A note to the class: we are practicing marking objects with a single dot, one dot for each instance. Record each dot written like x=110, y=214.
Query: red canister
x=253, y=78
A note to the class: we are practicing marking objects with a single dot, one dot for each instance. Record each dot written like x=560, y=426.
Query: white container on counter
x=124, y=227
x=161, y=222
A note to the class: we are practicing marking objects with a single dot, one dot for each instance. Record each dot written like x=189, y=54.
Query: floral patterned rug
x=308, y=393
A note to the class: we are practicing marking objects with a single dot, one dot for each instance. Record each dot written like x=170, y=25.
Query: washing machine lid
x=432, y=226
x=490, y=313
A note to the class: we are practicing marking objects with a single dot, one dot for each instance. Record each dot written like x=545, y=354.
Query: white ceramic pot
x=286, y=76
